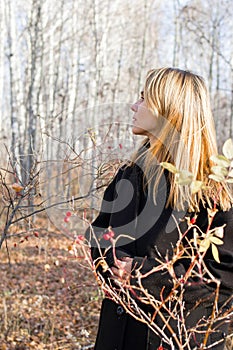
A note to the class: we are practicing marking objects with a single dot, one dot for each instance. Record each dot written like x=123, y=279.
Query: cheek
x=149, y=119
x=152, y=121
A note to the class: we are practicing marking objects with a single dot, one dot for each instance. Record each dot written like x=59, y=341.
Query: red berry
x=66, y=219
x=36, y=234
x=111, y=233
x=106, y=236
x=193, y=220
x=79, y=239
x=68, y=213
x=120, y=145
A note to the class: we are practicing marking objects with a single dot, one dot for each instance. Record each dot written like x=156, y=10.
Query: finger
x=114, y=270
x=126, y=258
x=120, y=264
x=117, y=272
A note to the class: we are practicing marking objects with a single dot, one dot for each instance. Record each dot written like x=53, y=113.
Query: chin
x=138, y=131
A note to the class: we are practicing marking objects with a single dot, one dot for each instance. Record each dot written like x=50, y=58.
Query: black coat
x=129, y=209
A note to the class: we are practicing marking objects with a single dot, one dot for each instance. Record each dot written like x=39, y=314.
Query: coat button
x=119, y=310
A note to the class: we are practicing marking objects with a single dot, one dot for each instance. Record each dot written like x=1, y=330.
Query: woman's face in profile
x=144, y=121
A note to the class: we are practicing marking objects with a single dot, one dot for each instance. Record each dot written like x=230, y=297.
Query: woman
x=148, y=212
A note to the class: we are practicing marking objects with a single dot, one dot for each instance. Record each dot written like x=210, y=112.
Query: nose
x=134, y=107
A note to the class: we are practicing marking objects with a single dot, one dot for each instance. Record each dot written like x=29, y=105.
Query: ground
x=48, y=299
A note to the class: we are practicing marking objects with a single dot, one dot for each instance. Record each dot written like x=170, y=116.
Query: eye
x=142, y=95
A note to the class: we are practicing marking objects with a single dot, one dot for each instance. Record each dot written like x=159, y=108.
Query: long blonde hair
x=185, y=135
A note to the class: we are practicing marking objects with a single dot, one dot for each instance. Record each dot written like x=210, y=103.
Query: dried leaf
x=103, y=264
x=219, y=170
x=17, y=187
x=230, y=173
x=228, y=149
x=184, y=177
x=204, y=245
x=219, y=232
x=47, y=267
x=169, y=167
x=216, y=240
x=212, y=212
x=215, y=253
x=220, y=160
x=217, y=178
x=196, y=186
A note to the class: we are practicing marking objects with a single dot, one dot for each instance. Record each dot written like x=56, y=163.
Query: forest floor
x=48, y=299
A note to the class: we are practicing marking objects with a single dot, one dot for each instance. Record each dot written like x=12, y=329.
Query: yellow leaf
x=184, y=177
x=228, y=149
x=204, y=245
x=216, y=240
x=196, y=186
x=215, y=253
x=219, y=170
x=220, y=160
x=217, y=178
x=219, y=232
x=169, y=167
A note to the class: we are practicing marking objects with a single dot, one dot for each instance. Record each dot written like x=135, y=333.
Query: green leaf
x=217, y=178
x=215, y=253
x=220, y=160
x=184, y=177
x=169, y=167
x=228, y=149
x=196, y=186
x=219, y=170
x=216, y=240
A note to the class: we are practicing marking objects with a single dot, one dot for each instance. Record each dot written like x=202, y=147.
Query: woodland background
x=69, y=70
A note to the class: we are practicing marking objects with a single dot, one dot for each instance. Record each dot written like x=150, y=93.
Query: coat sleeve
x=94, y=234
x=101, y=222
x=160, y=283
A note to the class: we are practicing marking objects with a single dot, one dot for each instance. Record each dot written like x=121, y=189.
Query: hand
x=122, y=268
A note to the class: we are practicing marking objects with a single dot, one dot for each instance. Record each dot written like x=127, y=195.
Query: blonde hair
x=185, y=136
